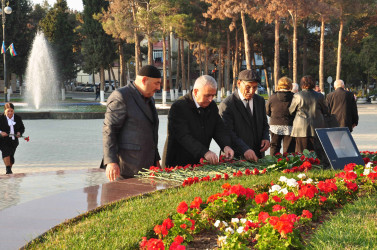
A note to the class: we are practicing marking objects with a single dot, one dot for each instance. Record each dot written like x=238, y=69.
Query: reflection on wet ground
x=26, y=217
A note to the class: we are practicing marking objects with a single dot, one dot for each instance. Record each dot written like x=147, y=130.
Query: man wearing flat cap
x=130, y=128
x=244, y=114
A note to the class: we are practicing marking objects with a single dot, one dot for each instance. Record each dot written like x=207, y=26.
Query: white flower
x=292, y=183
x=283, y=179
x=284, y=191
x=275, y=188
x=217, y=223
x=367, y=168
x=221, y=240
x=225, y=224
x=229, y=230
x=301, y=176
x=310, y=180
x=235, y=220
x=243, y=220
x=240, y=230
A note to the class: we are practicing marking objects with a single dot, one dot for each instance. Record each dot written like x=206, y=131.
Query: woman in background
x=280, y=119
x=11, y=128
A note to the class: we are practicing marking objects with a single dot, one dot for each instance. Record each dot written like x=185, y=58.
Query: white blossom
x=235, y=220
x=222, y=240
x=292, y=183
x=310, y=180
x=367, y=168
x=225, y=224
x=243, y=220
x=229, y=230
x=301, y=176
x=284, y=191
x=217, y=223
x=283, y=179
x=240, y=230
x=274, y=188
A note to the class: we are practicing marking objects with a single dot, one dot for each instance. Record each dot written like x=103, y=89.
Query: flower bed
x=269, y=216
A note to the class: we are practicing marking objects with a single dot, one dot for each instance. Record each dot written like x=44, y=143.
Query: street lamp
x=5, y=10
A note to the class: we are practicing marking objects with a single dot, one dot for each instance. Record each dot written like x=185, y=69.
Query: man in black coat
x=342, y=104
x=244, y=114
x=193, y=121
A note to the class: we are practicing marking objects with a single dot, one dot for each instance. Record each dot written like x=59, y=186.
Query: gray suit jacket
x=130, y=131
x=236, y=119
x=310, y=108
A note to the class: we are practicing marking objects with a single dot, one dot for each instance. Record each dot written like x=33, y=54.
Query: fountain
x=41, y=76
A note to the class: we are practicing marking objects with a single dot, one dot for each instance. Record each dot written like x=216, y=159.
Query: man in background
x=342, y=104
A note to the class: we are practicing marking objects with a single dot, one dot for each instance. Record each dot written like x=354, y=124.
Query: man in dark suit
x=244, y=114
x=130, y=130
x=193, y=121
x=342, y=104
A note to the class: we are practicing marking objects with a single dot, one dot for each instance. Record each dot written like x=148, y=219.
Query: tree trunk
x=170, y=68
x=219, y=79
x=165, y=80
x=102, y=86
x=227, y=66
x=322, y=55
x=112, y=73
x=294, y=21
x=109, y=74
x=200, y=60
x=206, y=62
x=305, y=49
x=339, y=61
x=266, y=75
x=188, y=67
x=277, y=54
x=246, y=40
x=254, y=64
x=235, y=67
x=150, y=50
x=137, y=43
x=184, y=87
x=290, y=59
x=121, y=64
x=178, y=64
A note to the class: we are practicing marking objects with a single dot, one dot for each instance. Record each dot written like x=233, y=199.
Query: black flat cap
x=249, y=75
x=149, y=71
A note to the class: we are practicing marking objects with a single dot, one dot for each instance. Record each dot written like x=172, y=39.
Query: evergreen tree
x=59, y=31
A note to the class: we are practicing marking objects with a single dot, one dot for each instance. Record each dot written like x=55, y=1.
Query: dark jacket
x=190, y=131
x=310, y=108
x=4, y=127
x=277, y=108
x=130, y=131
x=237, y=120
x=342, y=104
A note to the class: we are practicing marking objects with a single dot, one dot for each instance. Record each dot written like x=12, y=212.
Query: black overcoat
x=4, y=127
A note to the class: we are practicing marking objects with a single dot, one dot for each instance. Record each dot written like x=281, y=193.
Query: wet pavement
x=57, y=177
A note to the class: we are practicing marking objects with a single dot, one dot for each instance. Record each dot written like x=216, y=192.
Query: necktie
x=248, y=107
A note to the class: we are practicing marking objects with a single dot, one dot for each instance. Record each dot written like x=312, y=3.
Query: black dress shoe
x=9, y=170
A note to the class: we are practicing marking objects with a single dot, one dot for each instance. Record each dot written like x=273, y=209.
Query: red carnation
x=182, y=207
x=261, y=198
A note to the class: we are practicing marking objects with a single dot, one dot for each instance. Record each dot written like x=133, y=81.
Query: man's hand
x=211, y=157
x=250, y=155
x=112, y=171
x=265, y=145
x=4, y=134
x=18, y=135
x=353, y=126
x=229, y=153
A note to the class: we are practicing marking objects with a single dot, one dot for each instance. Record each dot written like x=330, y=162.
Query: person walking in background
x=342, y=104
x=130, y=130
x=309, y=108
x=280, y=119
x=11, y=128
x=244, y=114
x=193, y=121
x=97, y=91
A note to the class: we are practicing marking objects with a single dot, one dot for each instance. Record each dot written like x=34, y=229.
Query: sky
x=72, y=4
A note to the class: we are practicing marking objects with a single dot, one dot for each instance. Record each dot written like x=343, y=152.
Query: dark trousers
x=312, y=143
x=276, y=141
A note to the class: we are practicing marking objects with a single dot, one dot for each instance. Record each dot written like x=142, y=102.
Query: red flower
x=276, y=198
x=351, y=186
x=366, y=160
x=168, y=223
x=323, y=198
x=273, y=220
x=247, y=172
x=349, y=167
x=182, y=207
x=192, y=224
x=152, y=244
x=284, y=227
x=183, y=226
x=277, y=208
x=280, y=159
x=179, y=239
x=306, y=214
x=263, y=216
x=27, y=139
x=308, y=191
x=226, y=176
x=350, y=176
x=160, y=230
x=256, y=171
x=261, y=198
x=290, y=196
x=196, y=202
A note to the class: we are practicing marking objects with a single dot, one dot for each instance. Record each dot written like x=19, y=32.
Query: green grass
x=122, y=224
x=353, y=227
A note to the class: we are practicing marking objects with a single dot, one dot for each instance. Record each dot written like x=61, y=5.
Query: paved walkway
x=57, y=175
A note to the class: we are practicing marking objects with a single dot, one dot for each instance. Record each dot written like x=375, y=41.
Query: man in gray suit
x=130, y=130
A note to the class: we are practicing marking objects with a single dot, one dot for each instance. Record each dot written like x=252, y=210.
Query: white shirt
x=245, y=101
